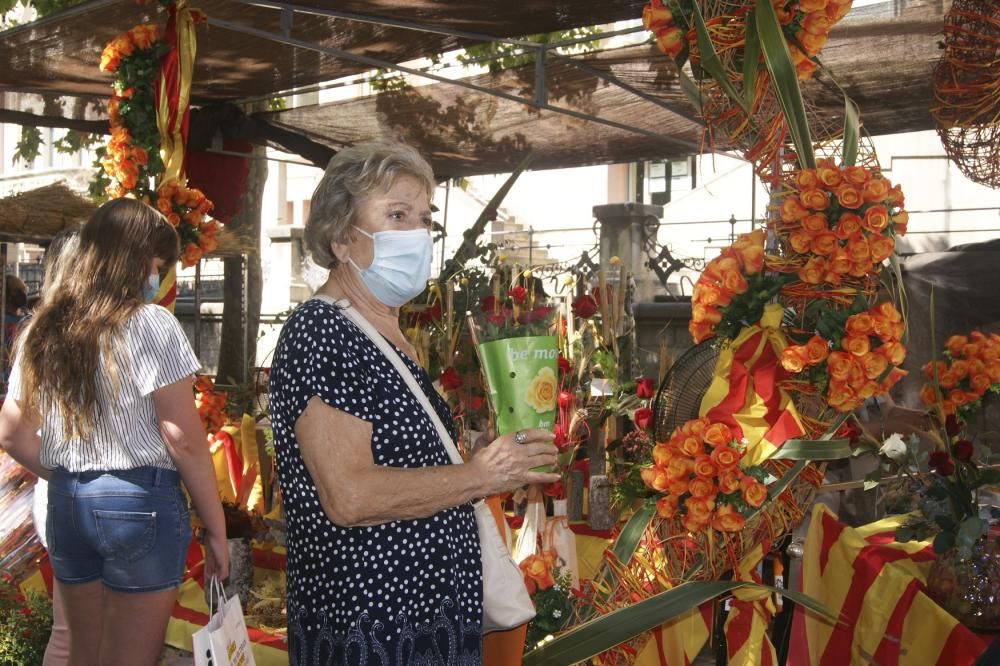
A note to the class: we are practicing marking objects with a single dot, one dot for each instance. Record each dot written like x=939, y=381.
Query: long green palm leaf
x=603, y=633
x=710, y=60
x=785, y=82
x=852, y=132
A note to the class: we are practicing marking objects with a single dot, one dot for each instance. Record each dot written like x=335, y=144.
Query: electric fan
x=682, y=389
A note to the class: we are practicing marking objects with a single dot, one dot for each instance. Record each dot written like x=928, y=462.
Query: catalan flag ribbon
x=745, y=390
x=747, y=642
x=678, y=642
x=173, y=88
x=877, y=588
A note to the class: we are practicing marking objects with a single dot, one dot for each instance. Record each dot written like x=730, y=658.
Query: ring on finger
x=520, y=437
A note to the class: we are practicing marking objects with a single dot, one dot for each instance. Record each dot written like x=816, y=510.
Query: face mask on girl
x=400, y=266
x=151, y=287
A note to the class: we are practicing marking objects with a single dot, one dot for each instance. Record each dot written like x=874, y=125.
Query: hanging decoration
x=148, y=114
x=967, y=90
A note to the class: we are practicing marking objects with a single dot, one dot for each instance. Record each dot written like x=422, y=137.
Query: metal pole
x=444, y=222
x=531, y=246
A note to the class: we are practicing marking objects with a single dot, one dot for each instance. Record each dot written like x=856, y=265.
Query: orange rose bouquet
x=837, y=225
x=855, y=355
x=131, y=159
x=733, y=290
x=700, y=480
x=972, y=368
x=805, y=23
x=186, y=208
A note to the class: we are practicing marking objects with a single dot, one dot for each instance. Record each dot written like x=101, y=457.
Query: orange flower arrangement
x=131, y=159
x=698, y=473
x=805, y=23
x=537, y=570
x=864, y=361
x=211, y=404
x=732, y=290
x=124, y=45
x=972, y=369
x=839, y=223
x=186, y=209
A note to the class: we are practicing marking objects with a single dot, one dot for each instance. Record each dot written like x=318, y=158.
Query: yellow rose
x=541, y=393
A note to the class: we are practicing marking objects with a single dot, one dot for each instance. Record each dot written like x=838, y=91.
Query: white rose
x=894, y=447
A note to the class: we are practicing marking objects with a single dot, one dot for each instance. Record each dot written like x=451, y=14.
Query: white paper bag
x=559, y=537
x=224, y=640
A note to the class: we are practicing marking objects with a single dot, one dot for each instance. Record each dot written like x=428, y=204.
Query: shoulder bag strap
x=393, y=356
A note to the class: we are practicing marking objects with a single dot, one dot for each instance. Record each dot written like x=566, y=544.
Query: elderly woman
x=383, y=552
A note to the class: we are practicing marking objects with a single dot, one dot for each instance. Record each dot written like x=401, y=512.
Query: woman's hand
x=216, y=556
x=505, y=465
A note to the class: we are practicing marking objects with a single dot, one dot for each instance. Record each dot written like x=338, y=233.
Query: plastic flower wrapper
x=518, y=354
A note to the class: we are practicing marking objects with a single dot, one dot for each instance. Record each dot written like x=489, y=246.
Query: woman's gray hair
x=353, y=173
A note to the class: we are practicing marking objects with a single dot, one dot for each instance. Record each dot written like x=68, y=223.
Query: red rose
x=518, y=294
x=497, y=318
x=450, y=379
x=554, y=489
x=584, y=306
x=952, y=426
x=560, y=433
x=564, y=366
x=849, y=431
x=475, y=402
x=564, y=399
x=643, y=418
x=644, y=387
x=489, y=304
x=964, y=450
x=940, y=461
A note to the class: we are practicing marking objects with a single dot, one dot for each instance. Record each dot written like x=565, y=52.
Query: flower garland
x=732, y=290
x=805, y=23
x=131, y=161
x=698, y=473
x=972, y=369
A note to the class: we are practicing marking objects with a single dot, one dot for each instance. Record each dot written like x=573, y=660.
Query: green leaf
x=943, y=542
x=873, y=479
x=786, y=84
x=591, y=638
x=969, y=531
x=626, y=543
x=814, y=449
x=690, y=90
x=710, y=60
x=751, y=58
x=852, y=128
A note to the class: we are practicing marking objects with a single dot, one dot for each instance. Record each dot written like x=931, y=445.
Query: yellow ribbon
x=171, y=140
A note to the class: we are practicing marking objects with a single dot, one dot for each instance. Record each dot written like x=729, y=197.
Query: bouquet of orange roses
x=972, y=369
x=701, y=483
x=733, y=290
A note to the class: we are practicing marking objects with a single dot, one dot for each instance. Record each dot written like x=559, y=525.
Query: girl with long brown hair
x=100, y=403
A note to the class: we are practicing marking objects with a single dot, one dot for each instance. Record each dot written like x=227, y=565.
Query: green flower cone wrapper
x=522, y=380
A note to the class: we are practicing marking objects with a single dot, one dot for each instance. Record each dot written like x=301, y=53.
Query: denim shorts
x=128, y=528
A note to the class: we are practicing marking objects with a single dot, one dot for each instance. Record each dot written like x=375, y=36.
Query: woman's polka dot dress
x=405, y=592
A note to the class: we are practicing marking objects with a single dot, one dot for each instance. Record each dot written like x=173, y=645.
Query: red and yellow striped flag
x=876, y=587
x=745, y=390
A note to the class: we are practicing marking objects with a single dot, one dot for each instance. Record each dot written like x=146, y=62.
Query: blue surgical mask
x=400, y=266
x=151, y=287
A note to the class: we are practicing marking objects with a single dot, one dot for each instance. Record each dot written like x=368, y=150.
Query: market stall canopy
x=616, y=105
x=240, y=57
